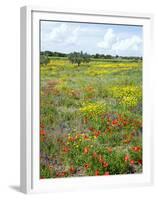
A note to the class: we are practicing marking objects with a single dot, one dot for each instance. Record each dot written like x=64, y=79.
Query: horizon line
x=89, y=53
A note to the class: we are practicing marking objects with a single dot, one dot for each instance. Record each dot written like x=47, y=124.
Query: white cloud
x=64, y=34
x=113, y=42
x=109, y=39
x=133, y=43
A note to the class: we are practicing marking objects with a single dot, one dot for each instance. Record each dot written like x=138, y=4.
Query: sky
x=66, y=37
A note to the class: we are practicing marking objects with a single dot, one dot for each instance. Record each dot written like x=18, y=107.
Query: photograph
x=91, y=99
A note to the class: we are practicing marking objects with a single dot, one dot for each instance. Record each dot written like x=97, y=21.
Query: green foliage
x=53, y=54
x=86, y=57
x=44, y=59
x=78, y=58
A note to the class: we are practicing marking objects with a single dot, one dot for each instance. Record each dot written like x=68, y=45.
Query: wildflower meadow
x=90, y=117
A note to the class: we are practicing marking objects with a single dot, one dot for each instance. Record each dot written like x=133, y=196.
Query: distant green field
x=90, y=118
x=100, y=59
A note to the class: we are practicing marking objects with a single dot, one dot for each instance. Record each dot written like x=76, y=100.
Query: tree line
x=80, y=57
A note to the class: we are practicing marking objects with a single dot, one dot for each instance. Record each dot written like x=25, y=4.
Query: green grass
x=97, y=107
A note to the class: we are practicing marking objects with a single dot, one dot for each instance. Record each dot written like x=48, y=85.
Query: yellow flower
x=93, y=109
x=127, y=95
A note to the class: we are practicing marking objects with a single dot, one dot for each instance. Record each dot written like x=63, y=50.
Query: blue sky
x=67, y=37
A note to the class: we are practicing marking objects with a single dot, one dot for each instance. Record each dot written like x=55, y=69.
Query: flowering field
x=90, y=118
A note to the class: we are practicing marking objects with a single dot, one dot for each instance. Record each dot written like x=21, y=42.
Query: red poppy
x=91, y=128
x=86, y=150
x=140, y=162
x=65, y=149
x=72, y=169
x=131, y=162
x=42, y=132
x=126, y=158
x=96, y=172
x=97, y=133
x=136, y=149
x=105, y=164
x=63, y=173
x=106, y=173
x=86, y=165
x=115, y=122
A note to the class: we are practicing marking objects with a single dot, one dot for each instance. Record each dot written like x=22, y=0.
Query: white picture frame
x=30, y=181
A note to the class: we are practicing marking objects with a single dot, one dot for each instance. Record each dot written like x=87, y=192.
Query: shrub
x=44, y=59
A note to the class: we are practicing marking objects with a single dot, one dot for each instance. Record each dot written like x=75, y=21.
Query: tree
x=75, y=58
x=48, y=53
x=96, y=55
x=78, y=58
x=86, y=58
x=44, y=59
x=108, y=57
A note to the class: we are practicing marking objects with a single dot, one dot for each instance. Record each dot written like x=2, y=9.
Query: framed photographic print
x=85, y=100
